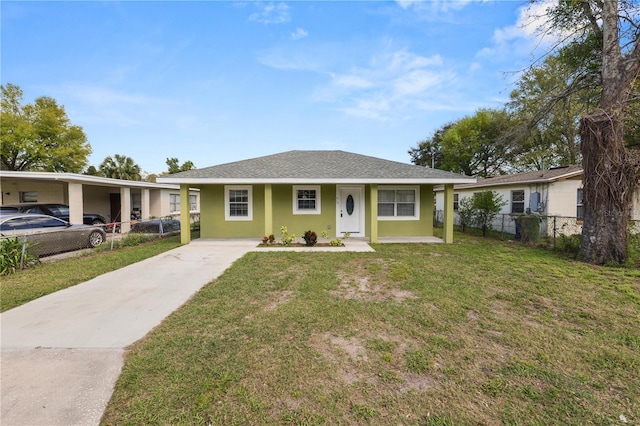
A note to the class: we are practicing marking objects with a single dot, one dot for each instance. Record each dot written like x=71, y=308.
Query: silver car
x=49, y=235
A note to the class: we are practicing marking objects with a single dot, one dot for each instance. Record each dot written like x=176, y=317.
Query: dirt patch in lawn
x=368, y=284
x=357, y=360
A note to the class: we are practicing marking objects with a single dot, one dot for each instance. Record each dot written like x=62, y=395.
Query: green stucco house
x=334, y=190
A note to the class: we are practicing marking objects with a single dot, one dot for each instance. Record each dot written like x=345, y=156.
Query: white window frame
x=174, y=203
x=580, y=203
x=524, y=197
x=416, y=209
x=28, y=197
x=227, y=215
x=297, y=210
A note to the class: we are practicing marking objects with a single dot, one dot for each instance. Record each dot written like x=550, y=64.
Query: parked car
x=60, y=211
x=49, y=235
x=157, y=226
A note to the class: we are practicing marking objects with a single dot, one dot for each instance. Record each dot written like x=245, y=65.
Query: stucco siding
x=212, y=215
x=563, y=197
x=283, y=213
x=54, y=192
x=635, y=210
x=417, y=228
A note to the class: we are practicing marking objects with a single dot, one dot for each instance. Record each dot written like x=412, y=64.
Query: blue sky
x=220, y=81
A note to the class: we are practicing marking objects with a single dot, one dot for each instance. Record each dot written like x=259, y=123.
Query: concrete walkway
x=62, y=353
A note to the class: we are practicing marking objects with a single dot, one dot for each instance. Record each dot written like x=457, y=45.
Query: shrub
x=11, y=258
x=310, y=238
x=287, y=238
x=486, y=206
x=134, y=240
x=465, y=212
x=568, y=243
x=529, y=228
x=336, y=243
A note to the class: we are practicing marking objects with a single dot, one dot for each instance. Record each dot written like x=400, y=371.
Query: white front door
x=350, y=211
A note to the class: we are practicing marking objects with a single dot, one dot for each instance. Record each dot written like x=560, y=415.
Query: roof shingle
x=328, y=166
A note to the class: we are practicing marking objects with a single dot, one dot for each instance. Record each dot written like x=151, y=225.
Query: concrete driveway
x=62, y=353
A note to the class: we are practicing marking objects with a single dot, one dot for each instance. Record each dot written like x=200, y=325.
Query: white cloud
x=391, y=83
x=530, y=34
x=299, y=33
x=272, y=13
x=434, y=6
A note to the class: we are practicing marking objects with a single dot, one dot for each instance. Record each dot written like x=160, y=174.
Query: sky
x=219, y=81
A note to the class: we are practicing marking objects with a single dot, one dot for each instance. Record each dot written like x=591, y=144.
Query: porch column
x=373, y=217
x=268, y=209
x=447, y=232
x=76, y=206
x=145, y=204
x=125, y=209
x=185, y=216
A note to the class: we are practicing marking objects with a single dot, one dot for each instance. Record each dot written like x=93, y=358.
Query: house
x=94, y=194
x=339, y=191
x=556, y=192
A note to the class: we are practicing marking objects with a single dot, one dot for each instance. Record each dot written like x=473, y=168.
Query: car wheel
x=97, y=222
x=95, y=239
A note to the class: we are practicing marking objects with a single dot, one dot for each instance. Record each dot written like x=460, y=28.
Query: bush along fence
x=21, y=249
x=560, y=231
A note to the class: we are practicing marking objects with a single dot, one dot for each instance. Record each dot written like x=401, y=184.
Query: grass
x=478, y=332
x=45, y=278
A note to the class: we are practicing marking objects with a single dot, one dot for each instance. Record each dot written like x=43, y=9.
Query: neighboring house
x=92, y=194
x=338, y=191
x=556, y=192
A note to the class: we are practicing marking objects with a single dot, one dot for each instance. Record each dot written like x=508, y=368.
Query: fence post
x=554, y=232
x=24, y=249
x=113, y=234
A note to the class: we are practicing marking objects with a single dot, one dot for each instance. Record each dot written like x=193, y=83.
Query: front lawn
x=478, y=332
x=26, y=285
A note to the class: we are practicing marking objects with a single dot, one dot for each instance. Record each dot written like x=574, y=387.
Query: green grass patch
x=39, y=280
x=477, y=332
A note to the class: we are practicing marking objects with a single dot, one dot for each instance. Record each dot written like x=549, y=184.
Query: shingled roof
x=539, y=176
x=316, y=167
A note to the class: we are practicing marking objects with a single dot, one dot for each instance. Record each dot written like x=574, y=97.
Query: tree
x=546, y=107
x=428, y=153
x=611, y=171
x=92, y=171
x=39, y=136
x=120, y=167
x=476, y=145
x=172, y=163
x=486, y=205
x=465, y=212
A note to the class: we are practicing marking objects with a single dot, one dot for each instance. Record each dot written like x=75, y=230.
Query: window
x=456, y=199
x=174, y=202
x=193, y=203
x=579, y=211
x=401, y=203
x=238, y=202
x=28, y=197
x=306, y=199
x=517, y=201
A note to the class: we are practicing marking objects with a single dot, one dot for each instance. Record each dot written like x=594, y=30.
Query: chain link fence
x=557, y=230
x=21, y=247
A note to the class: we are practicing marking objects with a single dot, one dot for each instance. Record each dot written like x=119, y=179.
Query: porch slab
x=418, y=240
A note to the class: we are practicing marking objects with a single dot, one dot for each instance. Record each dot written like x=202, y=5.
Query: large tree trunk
x=610, y=170
x=609, y=181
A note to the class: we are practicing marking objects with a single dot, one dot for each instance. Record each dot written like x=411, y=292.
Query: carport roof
x=83, y=179
x=315, y=167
